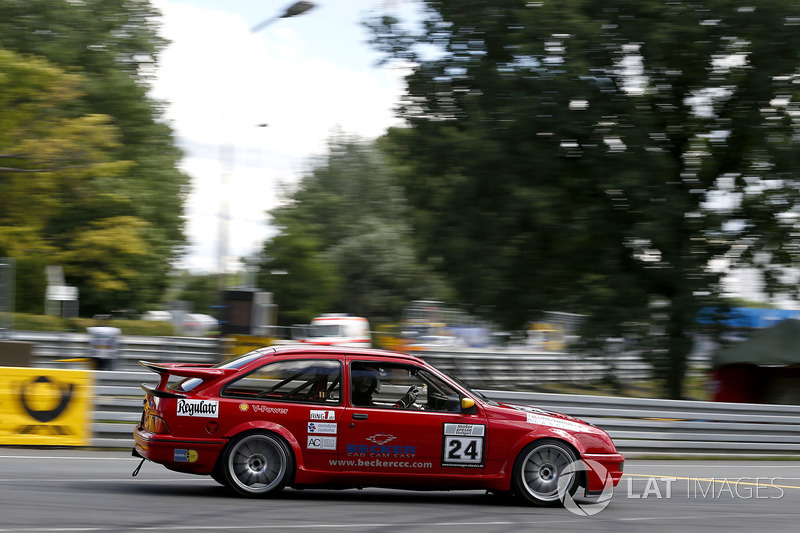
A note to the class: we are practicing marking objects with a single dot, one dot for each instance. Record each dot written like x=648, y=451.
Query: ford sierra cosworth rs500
x=308, y=416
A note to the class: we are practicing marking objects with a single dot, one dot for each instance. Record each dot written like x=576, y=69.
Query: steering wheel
x=408, y=398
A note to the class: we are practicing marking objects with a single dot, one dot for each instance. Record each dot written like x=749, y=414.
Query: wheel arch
x=548, y=433
x=260, y=425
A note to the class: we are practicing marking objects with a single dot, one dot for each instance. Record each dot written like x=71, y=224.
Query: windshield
x=237, y=362
x=324, y=330
x=467, y=387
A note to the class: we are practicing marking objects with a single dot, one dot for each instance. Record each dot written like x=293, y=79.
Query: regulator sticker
x=315, y=442
x=321, y=415
x=463, y=445
x=326, y=428
x=198, y=408
x=550, y=421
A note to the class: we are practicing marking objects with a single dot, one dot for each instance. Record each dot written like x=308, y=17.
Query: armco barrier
x=638, y=426
x=498, y=368
x=502, y=368
x=50, y=349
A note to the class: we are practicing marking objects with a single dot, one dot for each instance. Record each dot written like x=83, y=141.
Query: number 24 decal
x=463, y=449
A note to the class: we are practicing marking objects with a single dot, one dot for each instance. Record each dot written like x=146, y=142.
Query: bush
x=26, y=322
x=147, y=328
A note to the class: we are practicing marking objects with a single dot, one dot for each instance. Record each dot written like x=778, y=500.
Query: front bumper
x=602, y=470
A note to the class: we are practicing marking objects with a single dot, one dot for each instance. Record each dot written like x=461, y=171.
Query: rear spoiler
x=204, y=372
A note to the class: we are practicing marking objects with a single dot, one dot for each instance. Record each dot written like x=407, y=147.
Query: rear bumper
x=194, y=456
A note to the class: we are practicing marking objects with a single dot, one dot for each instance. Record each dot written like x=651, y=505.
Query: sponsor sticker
x=542, y=420
x=198, y=408
x=381, y=438
x=185, y=456
x=316, y=442
x=243, y=407
x=477, y=430
x=270, y=410
x=463, y=445
x=316, y=414
x=327, y=428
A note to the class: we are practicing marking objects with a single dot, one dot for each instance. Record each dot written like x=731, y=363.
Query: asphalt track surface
x=64, y=490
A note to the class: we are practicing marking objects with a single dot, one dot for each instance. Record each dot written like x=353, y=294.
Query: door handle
x=360, y=416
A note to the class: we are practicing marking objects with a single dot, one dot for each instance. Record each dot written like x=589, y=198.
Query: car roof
x=310, y=349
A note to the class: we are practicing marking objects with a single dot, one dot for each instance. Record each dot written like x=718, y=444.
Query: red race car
x=304, y=416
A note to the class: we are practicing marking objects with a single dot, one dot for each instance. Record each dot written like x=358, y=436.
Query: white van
x=339, y=329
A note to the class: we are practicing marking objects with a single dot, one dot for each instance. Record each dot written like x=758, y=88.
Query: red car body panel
x=345, y=445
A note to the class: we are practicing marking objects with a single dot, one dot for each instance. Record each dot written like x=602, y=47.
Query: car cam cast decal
x=381, y=438
x=380, y=448
x=463, y=445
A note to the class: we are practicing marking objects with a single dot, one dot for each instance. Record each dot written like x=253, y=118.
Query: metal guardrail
x=490, y=368
x=51, y=348
x=638, y=426
x=502, y=368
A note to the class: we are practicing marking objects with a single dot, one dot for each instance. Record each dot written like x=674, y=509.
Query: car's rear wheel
x=257, y=464
x=544, y=473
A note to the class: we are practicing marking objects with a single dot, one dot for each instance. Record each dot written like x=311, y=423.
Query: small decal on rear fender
x=185, y=456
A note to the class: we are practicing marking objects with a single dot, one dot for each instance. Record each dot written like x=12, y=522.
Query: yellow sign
x=244, y=344
x=42, y=406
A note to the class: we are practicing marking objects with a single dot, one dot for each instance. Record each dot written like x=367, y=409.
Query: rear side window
x=316, y=381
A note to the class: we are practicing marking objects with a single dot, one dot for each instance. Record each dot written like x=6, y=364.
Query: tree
x=605, y=157
x=302, y=281
x=55, y=164
x=114, y=46
x=344, y=241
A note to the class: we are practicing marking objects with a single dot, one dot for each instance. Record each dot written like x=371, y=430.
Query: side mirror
x=468, y=406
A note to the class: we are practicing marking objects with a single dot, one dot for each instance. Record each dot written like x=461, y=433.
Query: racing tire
x=538, y=475
x=257, y=464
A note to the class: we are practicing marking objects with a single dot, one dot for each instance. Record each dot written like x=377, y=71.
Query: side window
x=310, y=380
x=397, y=386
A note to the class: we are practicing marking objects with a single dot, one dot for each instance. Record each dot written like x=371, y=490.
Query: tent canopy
x=776, y=346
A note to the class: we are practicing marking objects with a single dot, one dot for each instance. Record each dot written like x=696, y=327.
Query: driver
x=364, y=383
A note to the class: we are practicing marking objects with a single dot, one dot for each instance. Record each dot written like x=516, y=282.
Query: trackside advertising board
x=40, y=406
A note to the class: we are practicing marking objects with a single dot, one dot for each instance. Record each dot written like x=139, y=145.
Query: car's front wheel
x=257, y=464
x=544, y=472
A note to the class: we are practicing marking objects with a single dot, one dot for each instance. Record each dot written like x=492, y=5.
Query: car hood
x=545, y=417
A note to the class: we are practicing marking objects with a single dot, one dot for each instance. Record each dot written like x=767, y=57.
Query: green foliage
x=301, y=280
x=97, y=143
x=147, y=328
x=33, y=322
x=30, y=322
x=199, y=289
x=601, y=157
x=345, y=242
